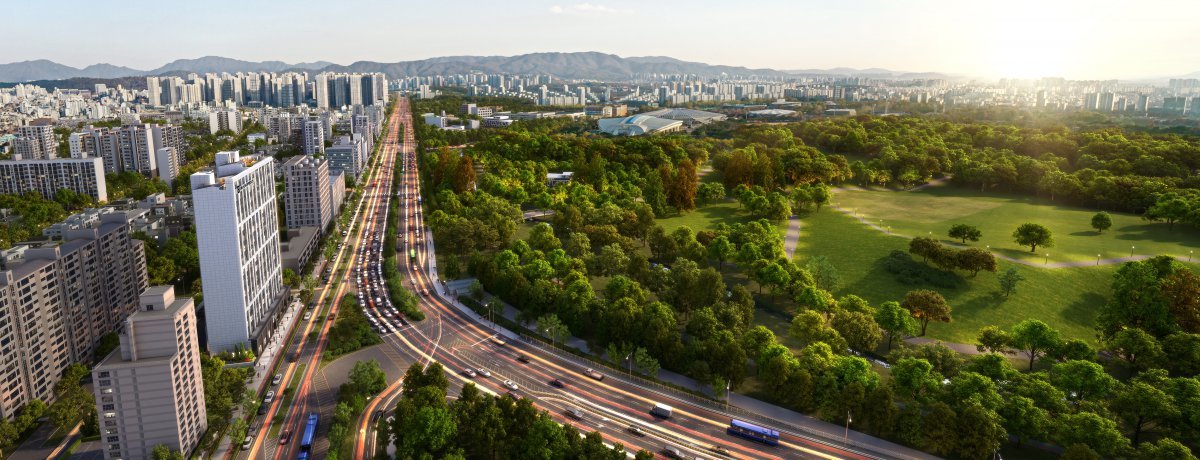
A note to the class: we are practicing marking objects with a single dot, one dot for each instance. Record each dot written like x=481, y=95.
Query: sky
x=1096, y=39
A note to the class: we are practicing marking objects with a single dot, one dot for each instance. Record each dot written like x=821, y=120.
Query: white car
x=485, y=372
x=270, y=397
x=510, y=385
x=278, y=378
x=246, y=444
x=469, y=373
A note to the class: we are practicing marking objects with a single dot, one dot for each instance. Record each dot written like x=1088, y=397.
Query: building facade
x=80, y=175
x=36, y=142
x=150, y=391
x=306, y=194
x=237, y=227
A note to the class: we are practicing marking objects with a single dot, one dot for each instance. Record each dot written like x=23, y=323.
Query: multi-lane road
x=501, y=362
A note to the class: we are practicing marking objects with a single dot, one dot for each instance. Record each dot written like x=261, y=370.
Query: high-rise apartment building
x=224, y=120
x=334, y=90
x=82, y=175
x=313, y=136
x=150, y=391
x=36, y=142
x=58, y=298
x=237, y=225
x=348, y=155
x=153, y=92
x=306, y=193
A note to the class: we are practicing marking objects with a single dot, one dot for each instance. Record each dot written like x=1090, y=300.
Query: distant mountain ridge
x=581, y=65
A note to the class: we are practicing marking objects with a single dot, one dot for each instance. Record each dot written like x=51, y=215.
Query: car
x=270, y=397
x=469, y=373
x=277, y=379
x=512, y=386
x=575, y=413
x=594, y=374
x=263, y=408
x=636, y=430
x=285, y=437
x=247, y=442
x=673, y=452
x=718, y=449
x=523, y=358
x=484, y=372
x=556, y=383
x=307, y=315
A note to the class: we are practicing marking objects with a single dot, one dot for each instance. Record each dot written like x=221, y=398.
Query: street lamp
x=1047, y=261
x=1189, y=256
x=846, y=435
x=1097, y=259
x=1131, y=250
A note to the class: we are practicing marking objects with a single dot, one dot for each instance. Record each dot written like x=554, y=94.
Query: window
x=113, y=439
x=108, y=407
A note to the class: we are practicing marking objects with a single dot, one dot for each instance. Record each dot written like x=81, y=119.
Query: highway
x=613, y=404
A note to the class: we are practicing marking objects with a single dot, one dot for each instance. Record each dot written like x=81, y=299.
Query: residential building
x=65, y=295
x=230, y=120
x=306, y=193
x=80, y=175
x=237, y=226
x=150, y=391
x=36, y=142
x=348, y=155
x=313, y=134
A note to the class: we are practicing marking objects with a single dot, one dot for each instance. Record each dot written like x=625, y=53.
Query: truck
x=661, y=410
x=593, y=374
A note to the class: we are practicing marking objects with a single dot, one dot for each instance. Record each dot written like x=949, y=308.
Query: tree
x=992, y=339
x=542, y=238
x=553, y=328
x=1182, y=291
x=721, y=250
x=925, y=247
x=941, y=430
x=1182, y=354
x=808, y=327
x=644, y=361
x=1143, y=406
x=1033, y=235
x=366, y=378
x=611, y=260
x=1081, y=379
x=1075, y=349
x=915, y=378
x=858, y=328
x=981, y=431
x=974, y=260
x=1035, y=338
x=1079, y=452
x=1023, y=419
x=1094, y=431
x=895, y=321
x=1169, y=207
x=1137, y=348
x=824, y=274
x=162, y=452
x=1101, y=221
x=1009, y=280
x=965, y=232
x=1165, y=449
x=710, y=192
x=926, y=305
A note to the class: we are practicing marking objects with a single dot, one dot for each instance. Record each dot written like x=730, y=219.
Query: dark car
x=285, y=437
x=523, y=358
x=556, y=383
x=263, y=408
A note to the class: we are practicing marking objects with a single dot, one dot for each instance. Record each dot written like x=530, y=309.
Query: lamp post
x=1097, y=259
x=1047, y=261
x=1131, y=248
x=1189, y=256
x=846, y=435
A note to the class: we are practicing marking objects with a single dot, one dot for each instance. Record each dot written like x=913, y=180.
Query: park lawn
x=707, y=217
x=935, y=209
x=1066, y=298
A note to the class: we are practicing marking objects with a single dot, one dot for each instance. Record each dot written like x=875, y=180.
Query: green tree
x=554, y=328
x=941, y=430
x=162, y=452
x=1137, y=348
x=824, y=274
x=721, y=250
x=1035, y=338
x=981, y=432
x=1033, y=235
x=895, y=321
x=644, y=361
x=992, y=339
x=975, y=260
x=915, y=378
x=1082, y=380
x=1094, y=431
x=1023, y=419
x=1181, y=352
x=367, y=378
x=965, y=232
x=1009, y=280
x=926, y=305
x=1169, y=207
x=859, y=329
x=1164, y=449
x=1143, y=406
x=1079, y=452
x=1101, y=221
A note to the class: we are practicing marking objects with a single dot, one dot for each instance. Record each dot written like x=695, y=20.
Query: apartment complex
x=333, y=90
x=80, y=175
x=36, y=142
x=307, y=200
x=135, y=147
x=224, y=120
x=313, y=134
x=58, y=298
x=348, y=155
x=237, y=226
x=150, y=391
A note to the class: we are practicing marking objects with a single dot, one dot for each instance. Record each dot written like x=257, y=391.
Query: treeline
x=476, y=425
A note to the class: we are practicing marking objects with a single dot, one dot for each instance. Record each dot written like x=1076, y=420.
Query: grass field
x=935, y=209
x=707, y=217
x=1065, y=298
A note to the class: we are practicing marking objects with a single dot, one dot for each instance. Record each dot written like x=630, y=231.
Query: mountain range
x=581, y=65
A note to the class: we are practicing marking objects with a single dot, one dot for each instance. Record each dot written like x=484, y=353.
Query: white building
x=224, y=119
x=237, y=227
x=306, y=193
x=150, y=391
x=83, y=175
x=36, y=142
x=313, y=132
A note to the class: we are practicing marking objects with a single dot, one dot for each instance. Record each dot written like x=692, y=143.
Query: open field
x=935, y=209
x=707, y=217
x=1065, y=298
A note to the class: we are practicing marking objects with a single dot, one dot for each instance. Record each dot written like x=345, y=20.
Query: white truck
x=661, y=410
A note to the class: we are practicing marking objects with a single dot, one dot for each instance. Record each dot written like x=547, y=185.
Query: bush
x=909, y=271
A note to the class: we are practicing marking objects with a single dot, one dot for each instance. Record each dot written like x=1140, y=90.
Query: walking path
x=792, y=237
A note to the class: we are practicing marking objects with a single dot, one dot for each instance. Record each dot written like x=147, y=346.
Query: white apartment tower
x=150, y=391
x=306, y=194
x=237, y=227
x=36, y=142
x=314, y=137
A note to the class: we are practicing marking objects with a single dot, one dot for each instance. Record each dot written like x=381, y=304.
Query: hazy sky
x=1021, y=38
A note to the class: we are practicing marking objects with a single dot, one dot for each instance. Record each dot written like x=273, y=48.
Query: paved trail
x=792, y=237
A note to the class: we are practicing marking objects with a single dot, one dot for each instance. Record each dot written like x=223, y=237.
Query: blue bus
x=753, y=432
x=310, y=432
x=302, y=456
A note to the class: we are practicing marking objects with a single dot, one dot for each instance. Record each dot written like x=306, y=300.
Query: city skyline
x=1025, y=39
